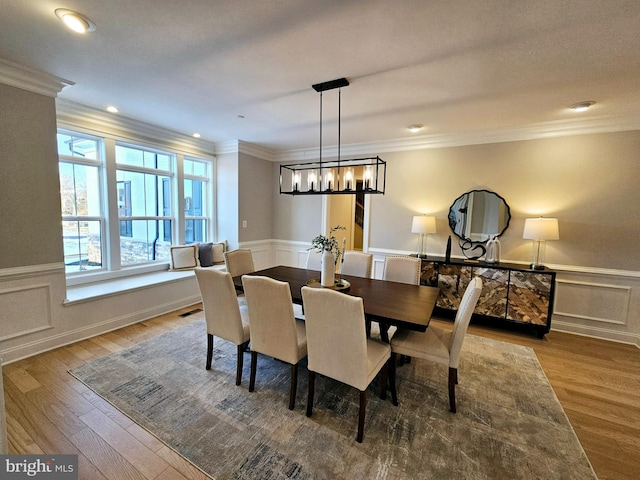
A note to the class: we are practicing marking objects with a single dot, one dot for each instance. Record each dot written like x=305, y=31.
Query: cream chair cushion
x=357, y=264
x=402, y=269
x=274, y=329
x=238, y=262
x=314, y=260
x=225, y=317
x=337, y=344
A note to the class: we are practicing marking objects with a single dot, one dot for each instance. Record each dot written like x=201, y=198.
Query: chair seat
x=301, y=330
x=431, y=345
x=377, y=354
x=375, y=331
x=244, y=316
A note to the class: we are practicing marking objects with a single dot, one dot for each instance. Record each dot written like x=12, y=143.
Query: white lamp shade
x=423, y=224
x=541, y=229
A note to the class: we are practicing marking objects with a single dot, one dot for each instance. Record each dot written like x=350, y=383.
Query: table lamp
x=424, y=226
x=540, y=230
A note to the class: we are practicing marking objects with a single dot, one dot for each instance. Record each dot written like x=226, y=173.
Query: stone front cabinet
x=511, y=295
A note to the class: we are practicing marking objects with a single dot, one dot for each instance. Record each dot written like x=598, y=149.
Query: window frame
x=98, y=163
x=206, y=203
x=110, y=227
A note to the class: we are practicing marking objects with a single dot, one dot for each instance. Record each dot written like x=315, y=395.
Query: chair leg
x=384, y=381
x=294, y=386
x=252, y=376
x=361, y=415
x=240, y=363
x=392, y=377
x=209, y=351
x=453, y=376
x=312, y=385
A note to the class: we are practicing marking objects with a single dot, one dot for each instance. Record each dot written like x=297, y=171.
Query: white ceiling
x=465, y=67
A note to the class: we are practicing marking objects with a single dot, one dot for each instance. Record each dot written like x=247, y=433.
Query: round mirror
x=478, y=215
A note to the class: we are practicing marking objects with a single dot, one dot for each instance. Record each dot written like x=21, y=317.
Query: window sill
x=107, y=288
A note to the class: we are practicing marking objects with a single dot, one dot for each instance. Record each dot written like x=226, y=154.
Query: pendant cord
x=339, y=131
x=321, y=179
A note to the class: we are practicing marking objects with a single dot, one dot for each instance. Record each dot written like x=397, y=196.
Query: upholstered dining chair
x=224, y=316
x=314, y=260
x=239, y=261
x=338, y=347
x=436, y=344
x=274, y=329
x=357, y=264
x=403, y=269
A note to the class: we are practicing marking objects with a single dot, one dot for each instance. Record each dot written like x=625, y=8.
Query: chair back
x=336, y=337
x=463, y=317
x=314, y=260
x=221, y=309
x=402, y=269
x=271, y=320
x=239, y=262
x=357, y=264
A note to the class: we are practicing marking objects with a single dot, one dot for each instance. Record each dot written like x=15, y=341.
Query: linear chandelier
x=330, y=177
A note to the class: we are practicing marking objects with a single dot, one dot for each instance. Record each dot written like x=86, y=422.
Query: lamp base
x=535, y=266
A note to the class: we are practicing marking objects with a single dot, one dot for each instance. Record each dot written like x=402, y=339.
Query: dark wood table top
x=399, y=304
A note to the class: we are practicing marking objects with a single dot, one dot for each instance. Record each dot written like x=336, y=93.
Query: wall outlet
x=244, y=224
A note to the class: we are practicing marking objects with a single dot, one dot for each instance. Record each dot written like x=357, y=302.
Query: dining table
x=389, y=303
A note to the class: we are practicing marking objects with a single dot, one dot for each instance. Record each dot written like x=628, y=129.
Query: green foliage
x=328, y=243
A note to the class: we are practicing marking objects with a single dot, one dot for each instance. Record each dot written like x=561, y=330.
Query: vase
x=328, y=272
x=493, y=250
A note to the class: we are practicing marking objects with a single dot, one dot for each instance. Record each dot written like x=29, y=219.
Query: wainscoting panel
x=593, y=301
x=261, y=257
x=25, y=310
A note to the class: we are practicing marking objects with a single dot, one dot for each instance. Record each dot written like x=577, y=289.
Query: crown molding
x=556, y=128
x=240, y=146
x=92, y=120
x=30, y=79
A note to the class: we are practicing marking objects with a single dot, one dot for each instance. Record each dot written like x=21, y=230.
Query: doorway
x=350, y=211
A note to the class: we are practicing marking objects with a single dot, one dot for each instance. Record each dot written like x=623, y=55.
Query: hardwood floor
x=48, y=411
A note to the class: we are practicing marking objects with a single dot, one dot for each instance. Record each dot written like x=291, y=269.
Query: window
x=123, y=214
x=147, y=215
x=82, y=220
x=196, y=177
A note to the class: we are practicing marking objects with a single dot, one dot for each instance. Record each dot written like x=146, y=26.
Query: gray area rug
x=509, y=424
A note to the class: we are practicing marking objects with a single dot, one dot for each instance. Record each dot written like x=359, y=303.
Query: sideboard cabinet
x=512, y=295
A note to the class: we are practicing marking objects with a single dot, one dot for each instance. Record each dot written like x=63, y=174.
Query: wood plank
x=105, y=459
x=147, y=462
x=182, y=465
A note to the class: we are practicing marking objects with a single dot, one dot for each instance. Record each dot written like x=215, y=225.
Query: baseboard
x=596, y=332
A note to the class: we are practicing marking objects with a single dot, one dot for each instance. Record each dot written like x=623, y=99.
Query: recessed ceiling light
x=415, y=128
x=240, y=117
x=75, y=21
x=582, y=106
x=196, y=135
x=112, y=109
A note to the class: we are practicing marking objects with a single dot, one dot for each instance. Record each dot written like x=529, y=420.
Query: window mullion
x=178, y=201
x=111, y=195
